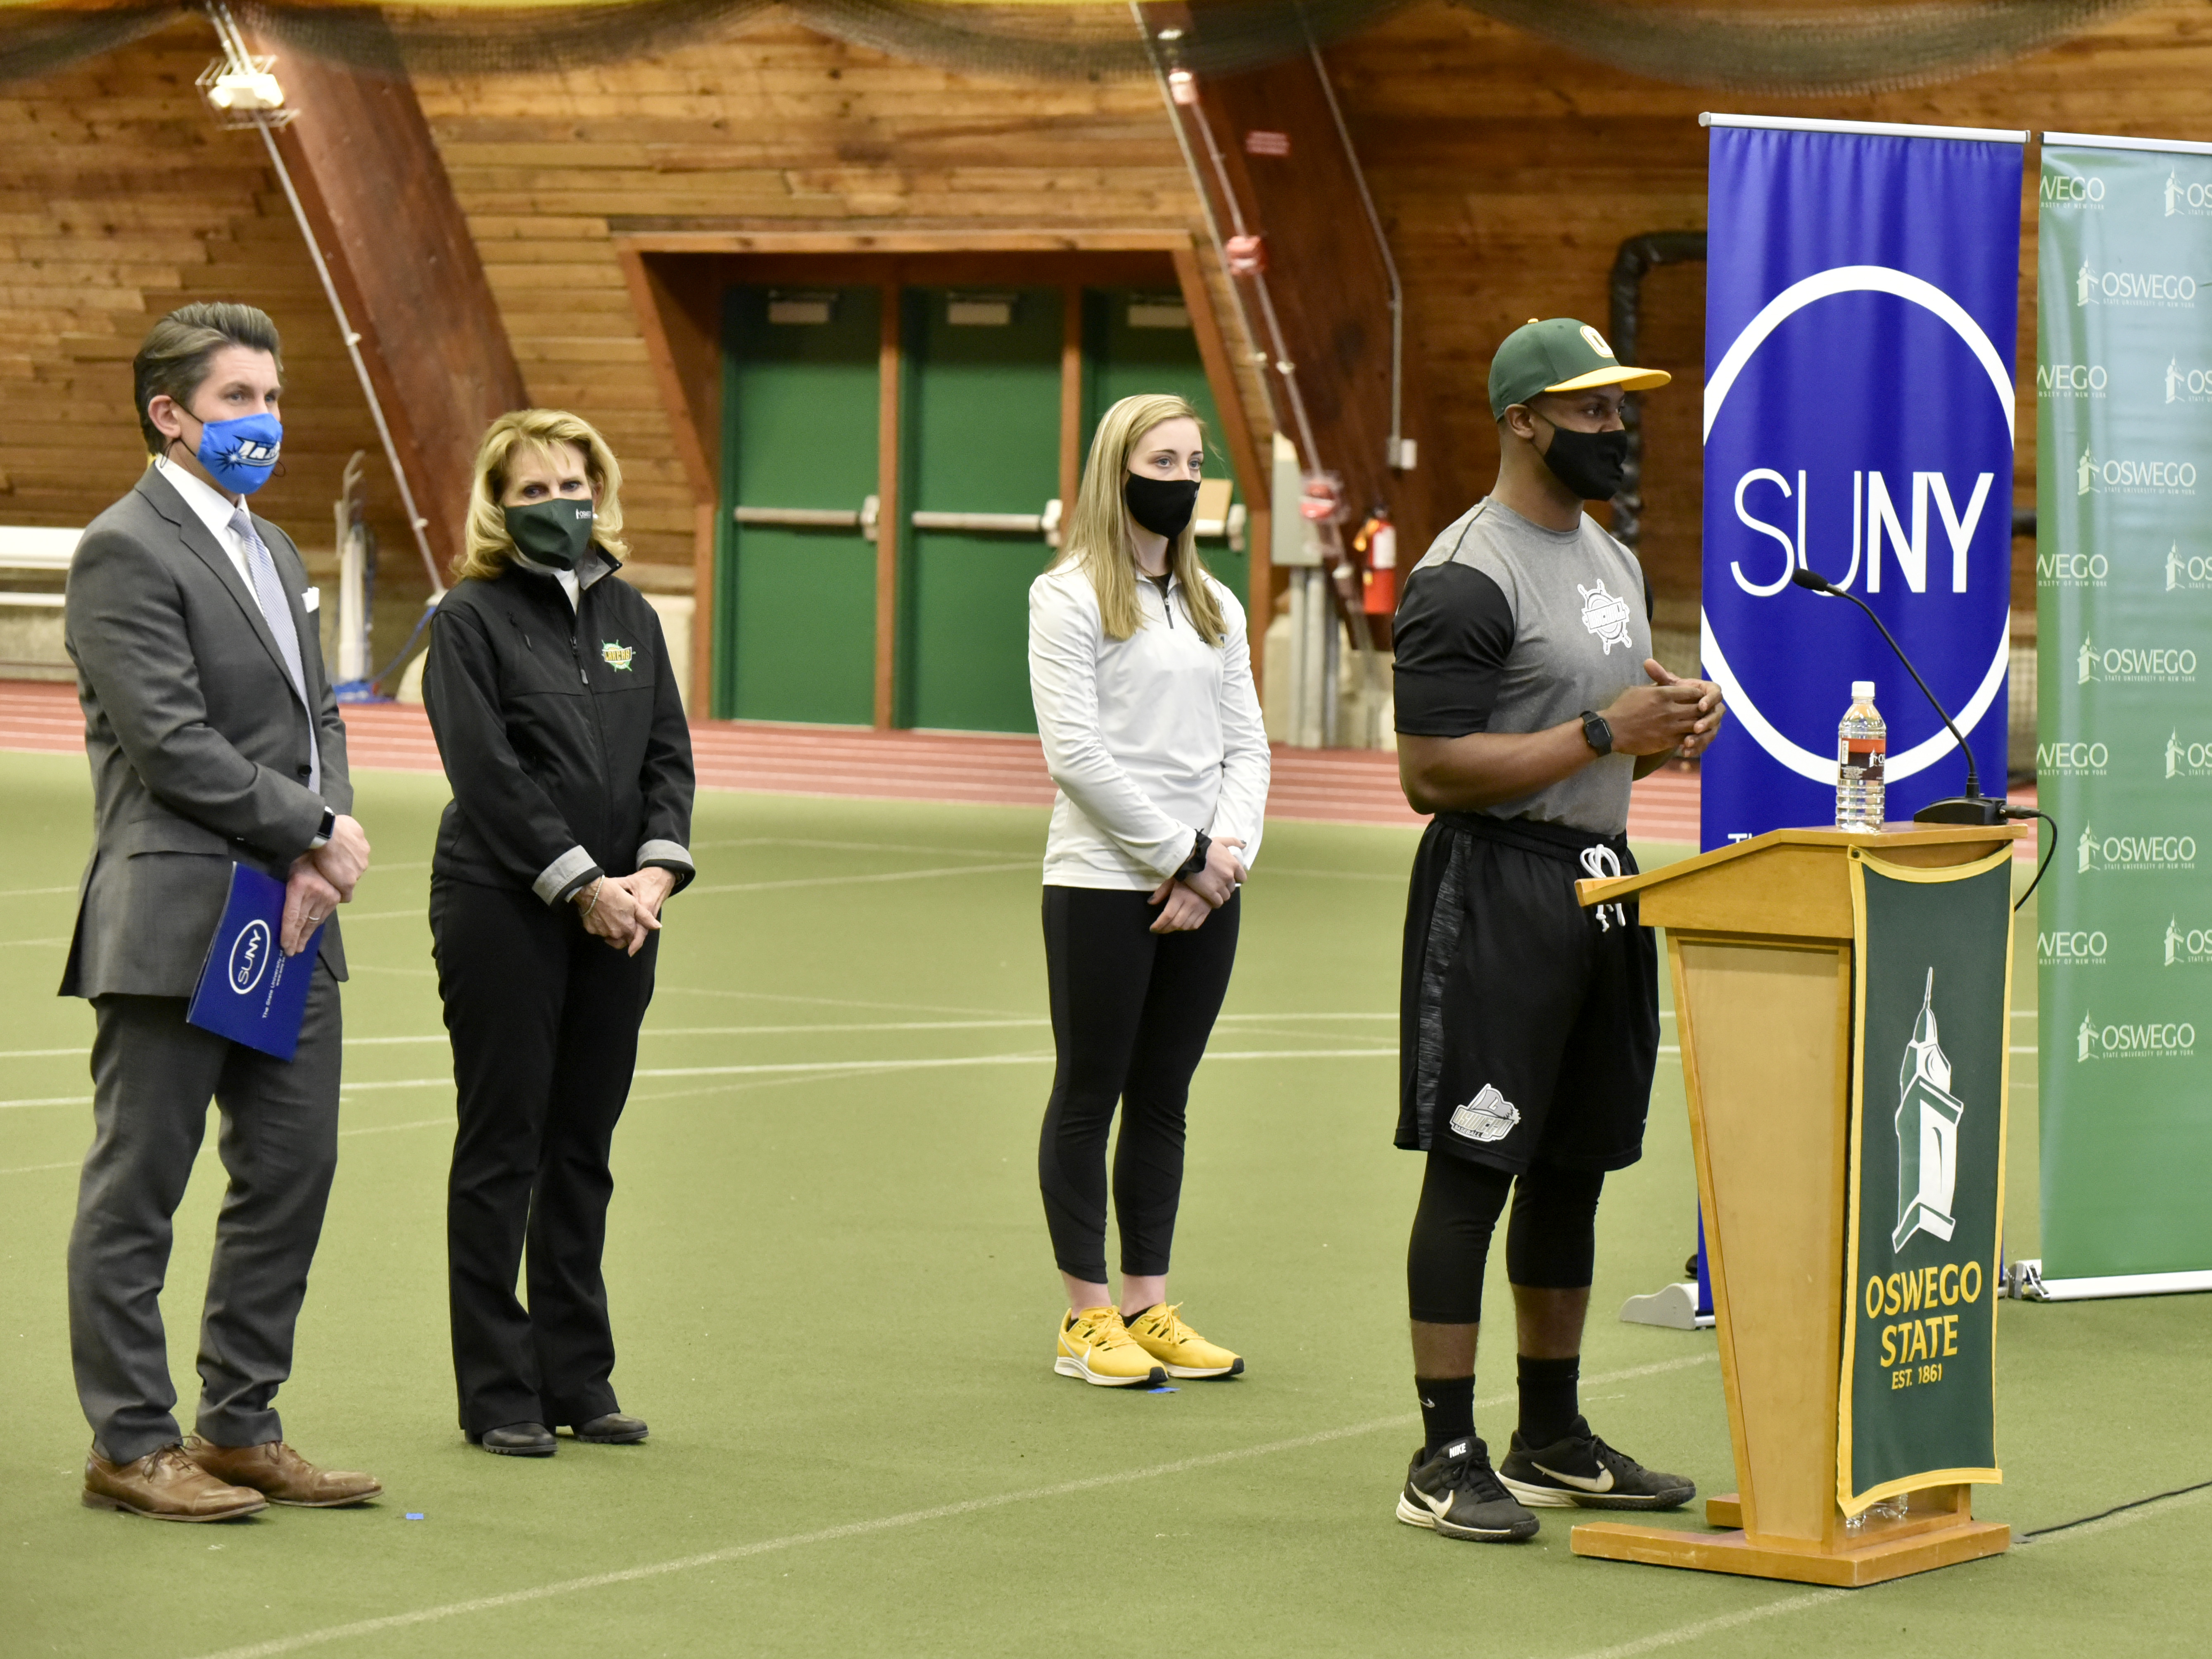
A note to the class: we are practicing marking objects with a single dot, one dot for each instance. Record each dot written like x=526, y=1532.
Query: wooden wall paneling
x=376, y=195
x=889, y=516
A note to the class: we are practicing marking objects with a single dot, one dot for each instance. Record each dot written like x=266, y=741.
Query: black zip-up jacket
x=562, y=733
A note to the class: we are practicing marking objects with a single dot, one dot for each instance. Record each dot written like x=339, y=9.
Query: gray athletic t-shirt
x=1506, y=626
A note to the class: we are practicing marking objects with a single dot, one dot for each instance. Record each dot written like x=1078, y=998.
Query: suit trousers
x=545, y=1020
x=153, y=1076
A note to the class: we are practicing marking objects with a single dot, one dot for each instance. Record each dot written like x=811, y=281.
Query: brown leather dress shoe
x=283, y=1475
x=165, y=1485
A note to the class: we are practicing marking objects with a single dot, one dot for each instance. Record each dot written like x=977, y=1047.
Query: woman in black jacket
x=564, y=742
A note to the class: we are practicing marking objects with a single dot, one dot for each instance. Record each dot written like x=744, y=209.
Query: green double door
x=979, y=450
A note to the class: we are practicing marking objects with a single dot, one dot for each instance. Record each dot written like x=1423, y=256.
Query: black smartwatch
x=325, y=830
x=1596, y=733
x=1195, y=864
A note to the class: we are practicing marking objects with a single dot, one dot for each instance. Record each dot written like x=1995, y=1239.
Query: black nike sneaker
x=1456, y=1493
x=1583, y=1472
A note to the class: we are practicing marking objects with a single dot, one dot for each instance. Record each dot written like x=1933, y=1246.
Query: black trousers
x=1130, y=1013
x=152, y=1076
x=545, y=1020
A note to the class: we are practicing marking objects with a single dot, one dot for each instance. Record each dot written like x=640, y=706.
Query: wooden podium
x=1760, y=940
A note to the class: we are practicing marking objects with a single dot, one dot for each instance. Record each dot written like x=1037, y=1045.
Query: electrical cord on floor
x=2116, y=1508
x=2035, y=812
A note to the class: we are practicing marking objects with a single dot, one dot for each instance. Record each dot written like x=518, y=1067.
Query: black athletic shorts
x=1529, y=1026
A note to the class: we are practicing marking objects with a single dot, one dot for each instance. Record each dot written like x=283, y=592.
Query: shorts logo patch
x=1605, y=615
x=1489, y=1116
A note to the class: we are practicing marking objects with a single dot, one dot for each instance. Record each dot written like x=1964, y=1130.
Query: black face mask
x=1162, y=506
x=553, y=533
x=1594, y=465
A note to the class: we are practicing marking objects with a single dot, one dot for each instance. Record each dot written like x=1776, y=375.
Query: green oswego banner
x=1933, y=970
x=2124, y=749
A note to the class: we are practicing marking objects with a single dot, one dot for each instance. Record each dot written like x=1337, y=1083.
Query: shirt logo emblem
x=1604, y=615
x=618, y=656
x=1489, y=1116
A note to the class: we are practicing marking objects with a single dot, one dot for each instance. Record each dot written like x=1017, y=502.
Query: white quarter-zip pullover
x=1150, y=739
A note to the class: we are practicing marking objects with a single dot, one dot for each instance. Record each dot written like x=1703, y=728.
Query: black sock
x=1132, y=1318
x=1447, y=1409
x=1548, y=1400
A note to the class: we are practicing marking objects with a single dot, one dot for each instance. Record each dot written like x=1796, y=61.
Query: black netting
x=1834, y=49
x=40, y=43
x=1744, y=46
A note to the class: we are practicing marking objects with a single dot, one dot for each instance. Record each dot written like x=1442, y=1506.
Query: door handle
x=1045, y=523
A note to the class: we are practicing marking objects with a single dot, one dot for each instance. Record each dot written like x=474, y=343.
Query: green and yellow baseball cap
x=1561, y=355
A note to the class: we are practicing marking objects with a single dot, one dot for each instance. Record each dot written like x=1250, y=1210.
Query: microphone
x=1973, y=806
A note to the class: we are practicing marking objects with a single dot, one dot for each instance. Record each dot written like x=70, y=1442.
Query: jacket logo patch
x=618, y=656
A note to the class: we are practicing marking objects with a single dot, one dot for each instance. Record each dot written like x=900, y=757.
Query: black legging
x=1551, y=1242
x=1131, y=1011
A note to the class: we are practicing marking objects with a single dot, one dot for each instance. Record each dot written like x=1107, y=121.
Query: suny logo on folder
x=249, y=990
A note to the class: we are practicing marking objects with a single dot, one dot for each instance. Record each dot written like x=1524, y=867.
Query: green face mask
x=553, y=533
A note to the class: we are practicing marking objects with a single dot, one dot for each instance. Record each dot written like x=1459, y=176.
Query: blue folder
x=249, y=991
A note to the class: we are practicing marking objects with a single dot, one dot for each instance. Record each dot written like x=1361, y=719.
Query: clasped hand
x=1671, y=713
x=320, y=881
x=1186, y=902
x=625, y=910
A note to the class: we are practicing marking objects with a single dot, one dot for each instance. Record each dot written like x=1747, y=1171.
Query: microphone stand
x=1973, y=806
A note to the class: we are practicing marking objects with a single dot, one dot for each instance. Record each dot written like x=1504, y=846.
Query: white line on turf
x=696, y=891
x=283, y=1644
x=375, y=1129
x=36, y=892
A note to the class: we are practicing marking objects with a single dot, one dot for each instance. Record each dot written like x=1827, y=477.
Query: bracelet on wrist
x=1200, y=845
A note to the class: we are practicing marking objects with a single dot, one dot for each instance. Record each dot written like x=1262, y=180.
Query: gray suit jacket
x=198, y=745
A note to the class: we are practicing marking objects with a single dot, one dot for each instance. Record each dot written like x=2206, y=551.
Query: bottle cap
x=1862, y=690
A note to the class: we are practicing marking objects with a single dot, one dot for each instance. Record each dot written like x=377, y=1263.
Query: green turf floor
x=835, y=1303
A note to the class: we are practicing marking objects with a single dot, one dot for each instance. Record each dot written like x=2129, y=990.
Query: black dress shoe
x=612, y=1429
x=516, y=1440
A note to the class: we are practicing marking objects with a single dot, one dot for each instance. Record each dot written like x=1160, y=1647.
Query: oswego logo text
x=2186, y=570
x=2084, y=947
x=2060, y=189
x=2133, y=475
x=2077, y=759
x=2186, y=947
x=2187, y=386
x=2134, y=665
x=2187, y=760
x=2071, y=380
x=2155, y=852
x=2134, y=1040
x=2162, y=289
x=2057, y=570
x=2188, y=200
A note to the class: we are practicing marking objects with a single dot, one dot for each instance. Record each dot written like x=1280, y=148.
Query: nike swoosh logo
x=1435, y=1507
x=1581, y=1483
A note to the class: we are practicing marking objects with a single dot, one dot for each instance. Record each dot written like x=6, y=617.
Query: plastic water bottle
x=1861, y=746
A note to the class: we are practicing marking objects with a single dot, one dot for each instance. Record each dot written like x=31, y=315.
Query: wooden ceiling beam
x=375, y=193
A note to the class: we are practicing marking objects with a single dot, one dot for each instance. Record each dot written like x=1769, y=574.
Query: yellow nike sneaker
x=1180, y=1350
x=1095, y=1346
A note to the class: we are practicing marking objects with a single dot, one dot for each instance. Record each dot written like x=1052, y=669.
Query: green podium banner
x=1930, y=1066
x=2123, y=677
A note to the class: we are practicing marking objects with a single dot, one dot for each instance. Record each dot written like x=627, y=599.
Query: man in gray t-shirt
x=1528, y=702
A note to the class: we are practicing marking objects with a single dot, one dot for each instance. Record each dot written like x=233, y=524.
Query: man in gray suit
x=213, y=738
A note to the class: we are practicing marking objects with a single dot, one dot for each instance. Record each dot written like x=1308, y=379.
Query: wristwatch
x=1596, y=733
x=324, y=830
x=1195, y=864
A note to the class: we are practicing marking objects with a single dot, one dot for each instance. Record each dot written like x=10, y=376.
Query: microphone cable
x=2012, y=811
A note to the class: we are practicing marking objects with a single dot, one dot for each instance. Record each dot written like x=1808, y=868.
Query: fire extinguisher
x=1377, y=543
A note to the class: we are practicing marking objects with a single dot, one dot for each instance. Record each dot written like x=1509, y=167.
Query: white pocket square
x=311, y=600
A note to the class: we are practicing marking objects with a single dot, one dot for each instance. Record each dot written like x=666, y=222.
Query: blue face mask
x=240, y=454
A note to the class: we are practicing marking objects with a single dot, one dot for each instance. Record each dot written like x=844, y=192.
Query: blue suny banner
x=1861, y=305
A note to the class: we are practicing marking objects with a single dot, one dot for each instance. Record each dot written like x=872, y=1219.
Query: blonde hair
x=487, y=547
x=1097, y=541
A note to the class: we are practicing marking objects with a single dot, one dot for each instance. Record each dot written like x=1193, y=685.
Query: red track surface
x=1335, y=785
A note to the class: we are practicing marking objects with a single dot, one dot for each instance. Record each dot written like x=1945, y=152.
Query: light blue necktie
x=277, y=611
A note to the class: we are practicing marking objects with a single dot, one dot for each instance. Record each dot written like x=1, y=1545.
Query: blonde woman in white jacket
x=1142, y=677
